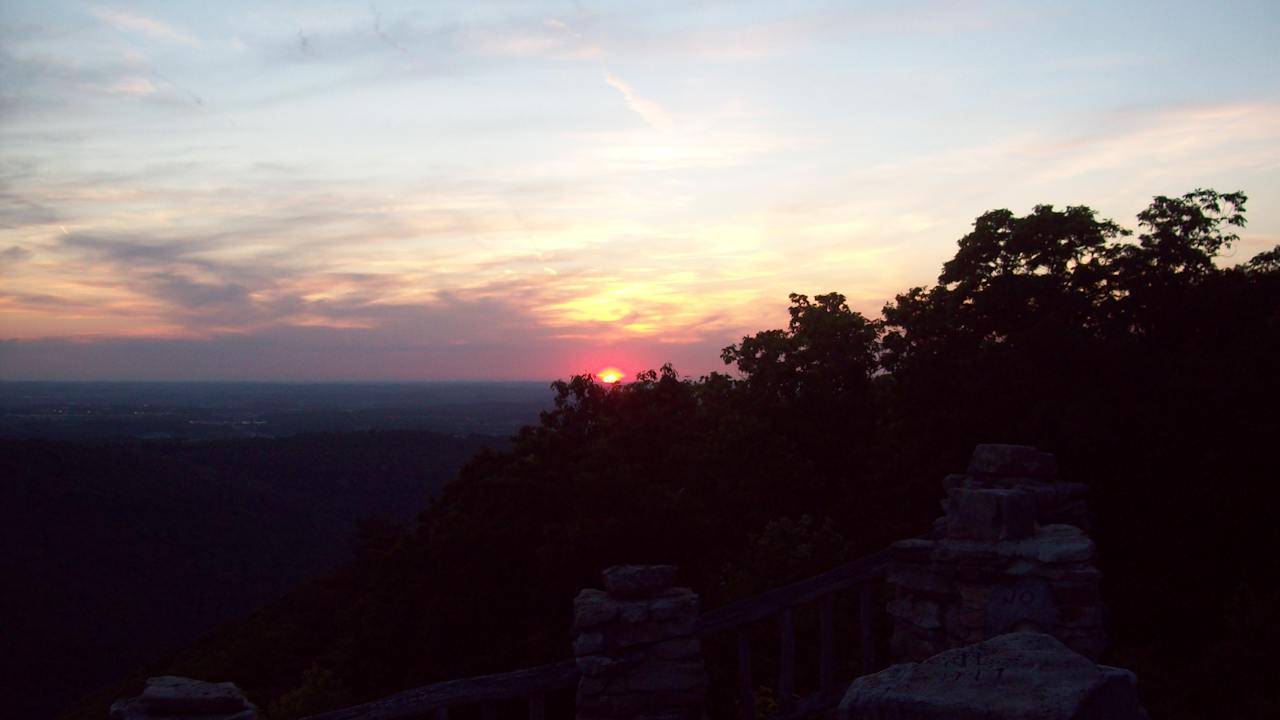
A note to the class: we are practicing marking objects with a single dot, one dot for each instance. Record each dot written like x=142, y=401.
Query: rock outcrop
x=169, y=697
x=1004, y=561
x=637, y=647
x=1018, y=676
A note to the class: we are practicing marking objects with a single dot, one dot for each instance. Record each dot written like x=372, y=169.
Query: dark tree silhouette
x=1145, y=365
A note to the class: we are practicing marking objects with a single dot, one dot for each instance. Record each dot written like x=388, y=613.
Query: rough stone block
x=919, y=578
x=593, y=607
x=589, y=643
x=654, y=631
x=908, y=643
x=1011, y=461
x=956, y=480
x=601, y=665
x=981, y=574
x=965, y=625
x=1045, y=491
x=633, y=612
x=990, y=514
x=938, y=528
x=914, y=550
x=677, y=649
x=1070, y=572
x=674, y=603
x=921, y=613
x=1063, y=544
x=1025, y=604
x=974, y=596
x=132, y=709
x=168, y=695
x=591, y=690
x=1020, y=566
x=953, y=552
x=1019, y=676
x=184, y=696
x=959, y=616
x=635, y=581
x=1075, y=512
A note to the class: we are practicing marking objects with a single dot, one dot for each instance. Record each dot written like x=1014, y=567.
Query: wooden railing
x=535, y=684
x=781, y=603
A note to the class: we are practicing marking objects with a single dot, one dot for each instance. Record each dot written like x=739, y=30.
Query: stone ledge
x=637, y=581
x=1018, y=676
x=1012, y=461
x=170, y=696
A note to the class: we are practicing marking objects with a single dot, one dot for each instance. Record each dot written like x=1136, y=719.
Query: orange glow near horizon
x=609, y=375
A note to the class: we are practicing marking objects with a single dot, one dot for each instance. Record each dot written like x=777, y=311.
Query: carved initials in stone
x=1013, y=596
x=1028, y=602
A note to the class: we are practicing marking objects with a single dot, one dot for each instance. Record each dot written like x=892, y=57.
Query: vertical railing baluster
x=787, y=659
x=867, y=627
x=537, y=707
x=746, y=693
x=489, y=711
x=827, y=637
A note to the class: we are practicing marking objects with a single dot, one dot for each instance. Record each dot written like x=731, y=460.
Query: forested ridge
x=1137, y=357
x=117, y=551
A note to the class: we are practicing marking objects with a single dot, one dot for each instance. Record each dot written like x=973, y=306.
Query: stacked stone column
x=636, y=645
x=1003, y=561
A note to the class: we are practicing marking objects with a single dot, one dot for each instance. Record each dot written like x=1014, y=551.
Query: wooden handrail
x=537, y=681
x=780, y=603
x=467, y=691
x=771, y=602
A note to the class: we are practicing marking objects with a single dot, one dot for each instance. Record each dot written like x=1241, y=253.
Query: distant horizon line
x=208, y=381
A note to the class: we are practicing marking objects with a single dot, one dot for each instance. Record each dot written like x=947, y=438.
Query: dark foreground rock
x=170, y=696
x=1019, y=676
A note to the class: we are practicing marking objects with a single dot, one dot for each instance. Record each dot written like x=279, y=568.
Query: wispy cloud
x=653, y=113
x=1152, y=142
x=525, y=37
x=15, y=254
x=799, y=26
x=143, y=25
x=236, y=263
x=137, y=87
x=1201, y=139
x=641, y=152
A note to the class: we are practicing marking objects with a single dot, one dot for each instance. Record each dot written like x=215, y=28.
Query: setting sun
x=609, y=375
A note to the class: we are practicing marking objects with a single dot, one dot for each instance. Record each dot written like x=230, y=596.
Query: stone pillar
x=1002, y=563
x=637, y=647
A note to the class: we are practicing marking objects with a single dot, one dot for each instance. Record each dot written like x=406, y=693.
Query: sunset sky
x=525, y=190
